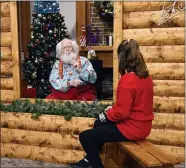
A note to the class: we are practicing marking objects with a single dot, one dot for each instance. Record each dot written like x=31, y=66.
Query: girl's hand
x=108, y=108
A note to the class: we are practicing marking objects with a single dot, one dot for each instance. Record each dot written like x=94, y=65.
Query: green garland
x=105, y=10
x=67, y=109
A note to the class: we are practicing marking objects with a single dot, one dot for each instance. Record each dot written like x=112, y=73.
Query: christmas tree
x=47, y=29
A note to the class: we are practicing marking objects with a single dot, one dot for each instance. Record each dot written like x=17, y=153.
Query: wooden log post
x=118, y=27
x=15, y=49
x=80, y=11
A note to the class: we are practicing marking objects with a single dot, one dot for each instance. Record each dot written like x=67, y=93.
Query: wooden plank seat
x=139, y=154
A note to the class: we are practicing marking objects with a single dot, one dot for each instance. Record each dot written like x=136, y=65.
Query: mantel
x=97, y=48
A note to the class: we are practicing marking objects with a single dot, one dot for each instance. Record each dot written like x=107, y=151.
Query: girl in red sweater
x=130, y=118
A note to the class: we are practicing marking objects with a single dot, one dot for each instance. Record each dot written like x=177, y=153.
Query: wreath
x=105, y=10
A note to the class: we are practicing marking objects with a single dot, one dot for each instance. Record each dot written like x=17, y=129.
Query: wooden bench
x=139, y=154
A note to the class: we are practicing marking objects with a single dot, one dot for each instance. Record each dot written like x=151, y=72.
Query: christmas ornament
x=44, y=18
x=32, y=45
x=50, y=31
x=41, y=36
x=37, y=41
x=46, y=54
x=34, y=75
x=34, y=14
x=54, y=4
x=39, y=15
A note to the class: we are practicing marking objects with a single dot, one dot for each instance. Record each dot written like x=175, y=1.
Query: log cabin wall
x=163, y=50
x=10, y=72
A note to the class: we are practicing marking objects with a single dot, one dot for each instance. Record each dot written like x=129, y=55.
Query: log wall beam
x=146, y=19
x=156, y=36
x=58, y=140
x=164, y=54
x=7, y=95
x=5, y=39
x=6, y=83
x=169, y=121
x=6, y=53
x=5, y=9
x=165, y=104
x=5, y=24
x=167, y=137
x=7, y=68
x=166, y=71
x=145, y=6
x=172, y=88
x=40, y=153
x=48, y=123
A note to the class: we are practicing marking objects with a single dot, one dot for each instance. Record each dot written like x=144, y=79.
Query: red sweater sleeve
x=124, y=100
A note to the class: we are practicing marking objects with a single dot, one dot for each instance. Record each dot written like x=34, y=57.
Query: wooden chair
x=139, y=154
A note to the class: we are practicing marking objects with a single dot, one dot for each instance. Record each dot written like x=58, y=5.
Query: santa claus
x=72, y=76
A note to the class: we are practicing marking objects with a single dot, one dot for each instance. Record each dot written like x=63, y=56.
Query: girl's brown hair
x=131, y=59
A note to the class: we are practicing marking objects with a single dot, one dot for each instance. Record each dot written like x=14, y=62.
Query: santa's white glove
x=75, y=82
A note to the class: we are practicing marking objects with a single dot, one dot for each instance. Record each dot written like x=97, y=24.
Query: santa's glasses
x=67, y=48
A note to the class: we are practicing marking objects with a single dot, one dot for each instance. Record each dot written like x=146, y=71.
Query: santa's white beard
x=69, y=57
